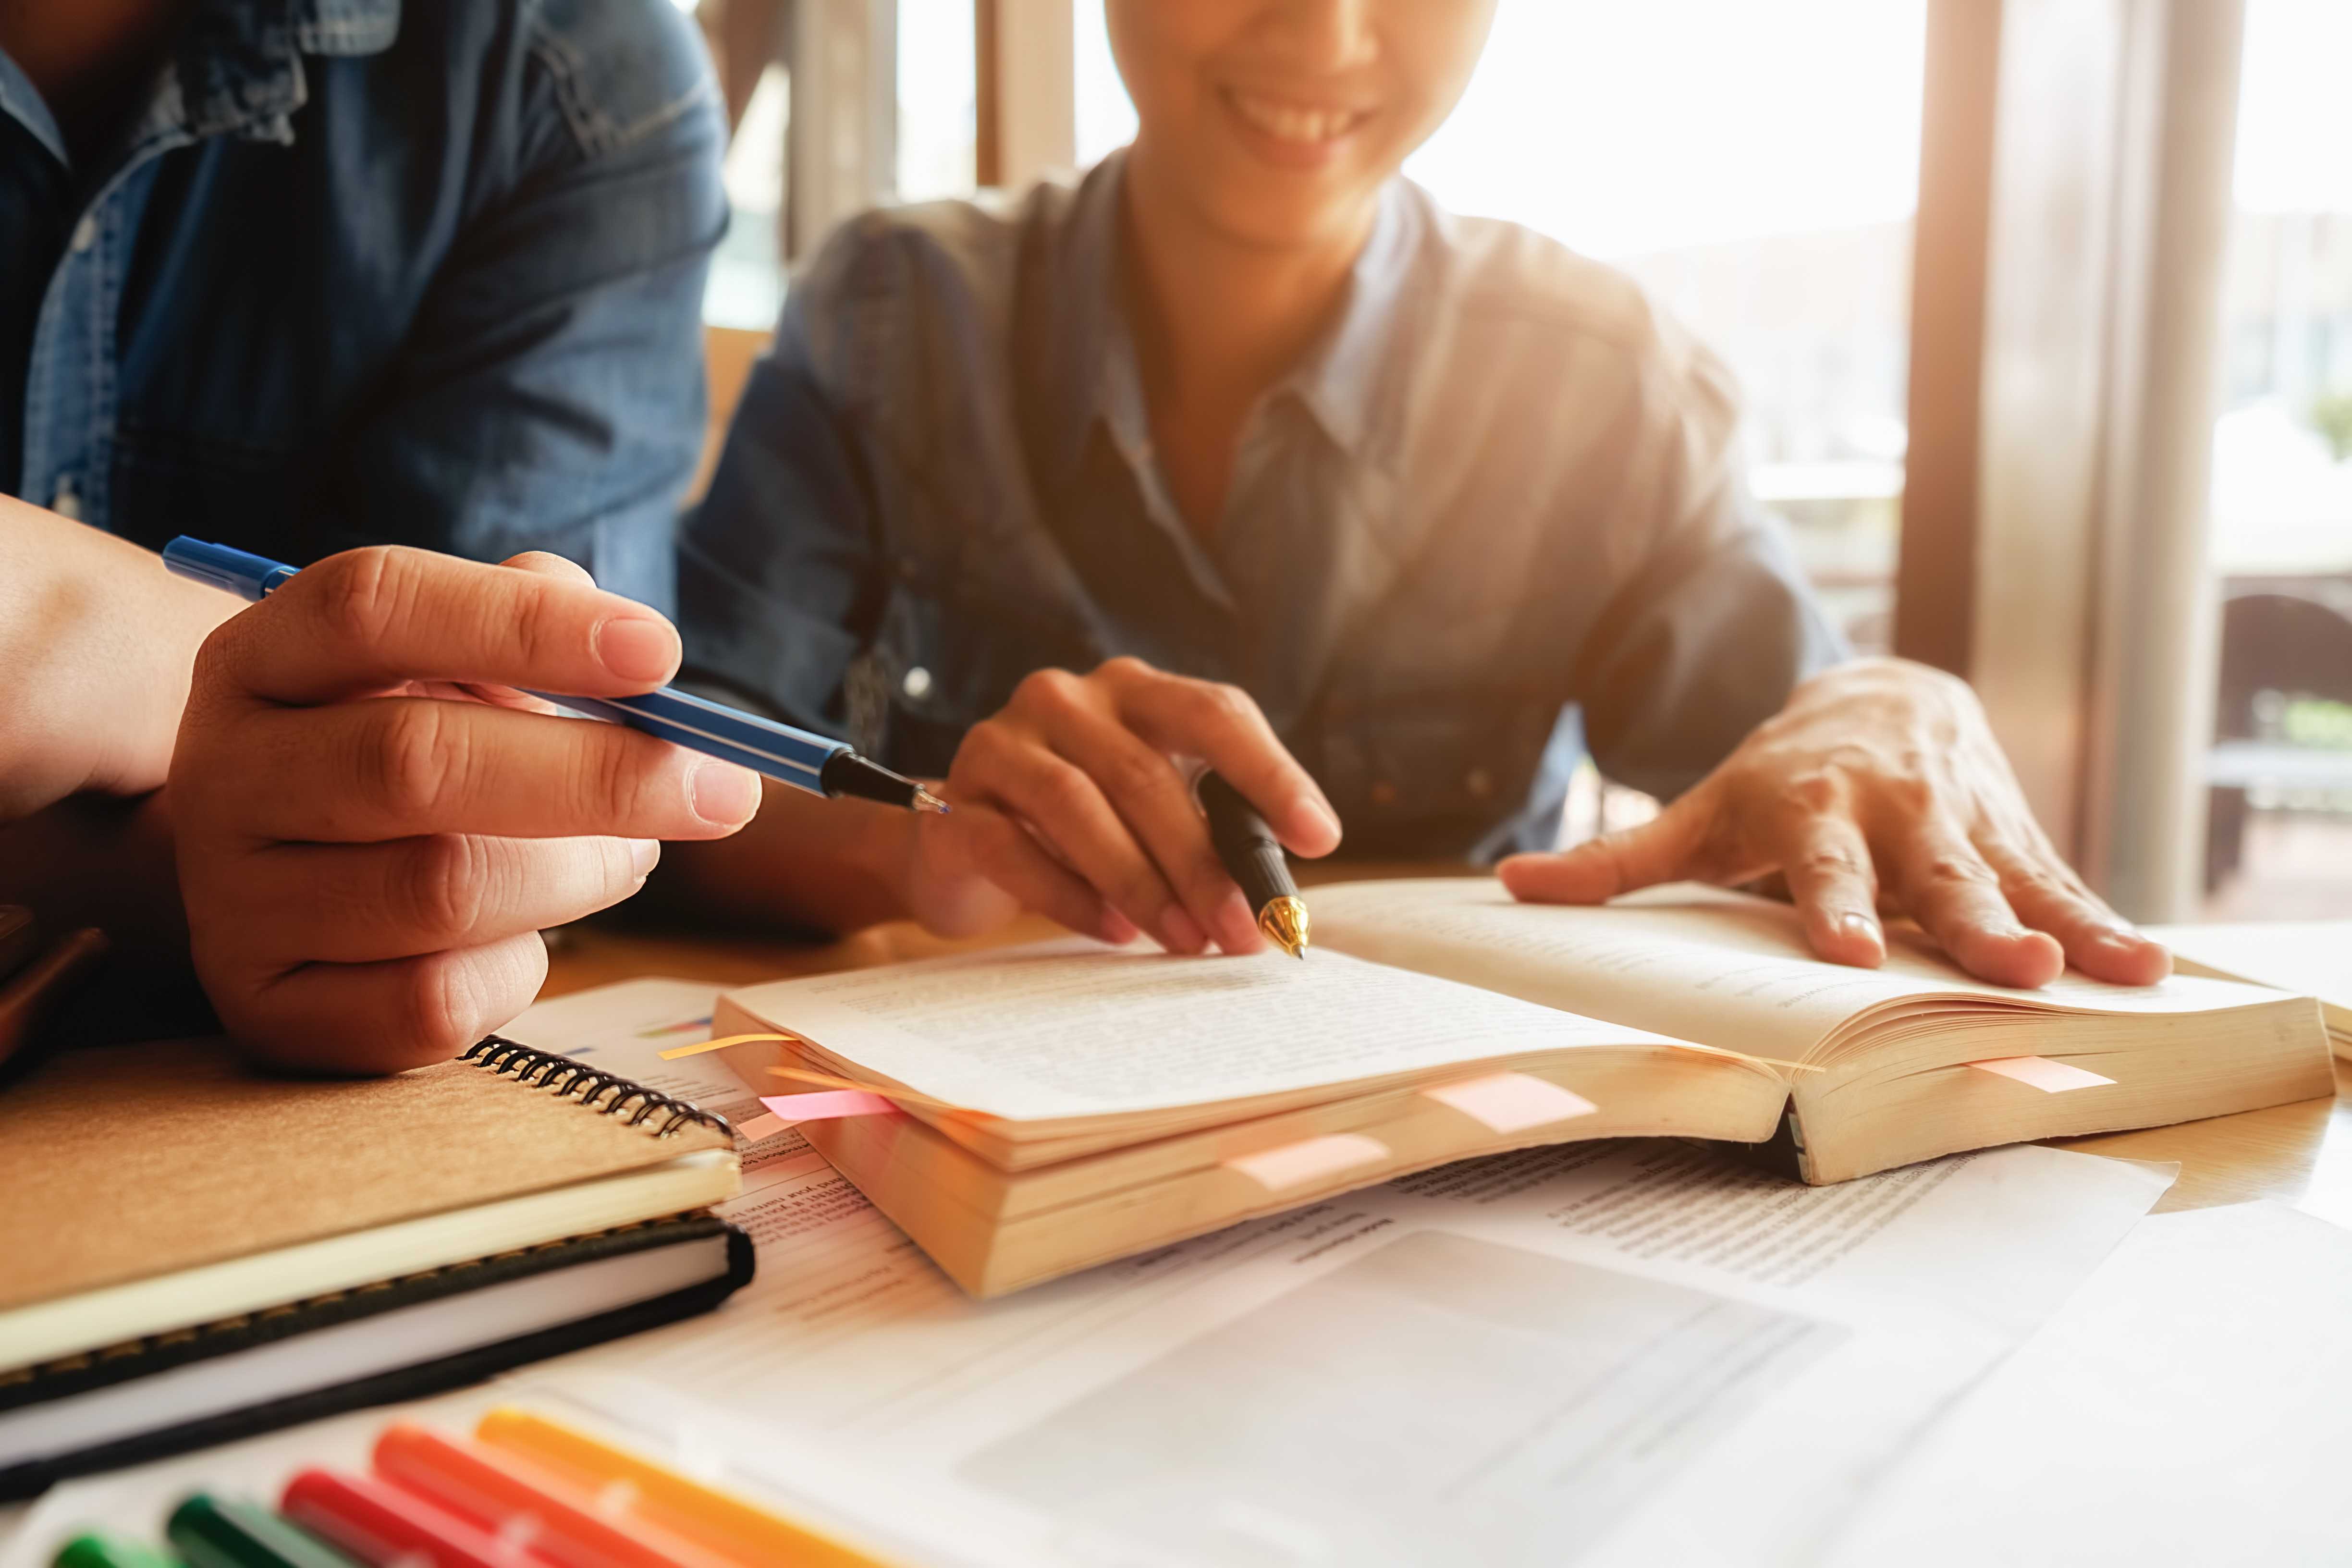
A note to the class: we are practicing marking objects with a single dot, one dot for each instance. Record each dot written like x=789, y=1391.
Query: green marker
x=95, y=1550
x=229, y=1532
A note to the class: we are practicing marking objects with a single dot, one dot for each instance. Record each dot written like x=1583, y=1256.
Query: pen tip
x=926, y=801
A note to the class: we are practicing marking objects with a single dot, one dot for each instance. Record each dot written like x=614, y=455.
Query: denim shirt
x=1497, y=513
x=417, y=271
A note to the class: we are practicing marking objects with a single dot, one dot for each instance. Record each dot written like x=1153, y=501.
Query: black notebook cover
x=121, y=1363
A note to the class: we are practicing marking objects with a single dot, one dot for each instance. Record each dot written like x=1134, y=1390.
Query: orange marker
x=518, y=1502
x=741, y=1532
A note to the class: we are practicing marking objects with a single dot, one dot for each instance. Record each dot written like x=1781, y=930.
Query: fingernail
x=634, y=647
x=1184, y=933
x=724, y=794
x=645, y=854
x=1863, y=926
x=1321, y=812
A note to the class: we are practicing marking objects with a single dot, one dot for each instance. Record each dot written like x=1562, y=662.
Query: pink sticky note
x=761, y=1127
x=1310, y=1159
x=826, y=1105
x=2041, y=1073
x=1512, y=1101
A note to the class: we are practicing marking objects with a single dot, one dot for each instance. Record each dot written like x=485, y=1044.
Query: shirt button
x=1384, y=793
x=1480, y=783
x=917, y=684
x=66, y=502
x=85, y=235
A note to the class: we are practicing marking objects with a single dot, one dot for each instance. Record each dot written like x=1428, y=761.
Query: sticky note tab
x=1512, y=1101
x=1310, y=1159
x=2041, y=1073
x=761, y=1127
x=826, y=1105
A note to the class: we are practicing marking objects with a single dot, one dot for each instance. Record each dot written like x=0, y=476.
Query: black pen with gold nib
x=1252, y=853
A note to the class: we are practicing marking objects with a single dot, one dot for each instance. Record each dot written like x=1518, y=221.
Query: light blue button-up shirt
x=1496, y=514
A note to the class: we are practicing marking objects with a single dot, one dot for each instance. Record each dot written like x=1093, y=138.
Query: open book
x=1066, y=1103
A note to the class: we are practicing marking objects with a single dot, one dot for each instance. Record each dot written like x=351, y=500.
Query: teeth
x=1290, y=123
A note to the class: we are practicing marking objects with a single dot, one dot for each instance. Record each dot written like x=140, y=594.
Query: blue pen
x=812, y=763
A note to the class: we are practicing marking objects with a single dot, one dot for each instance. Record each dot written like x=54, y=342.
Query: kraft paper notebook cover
x=167, y=1206
x=1065, y=1104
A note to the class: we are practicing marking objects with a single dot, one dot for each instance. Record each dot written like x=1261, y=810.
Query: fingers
x=977, y=838
x=1154, y=801
x=1041, y=796
x=384, y=1017
x=368, y=619
x=2098, y=941
x=300, y=903
x=1834, y=885
x=398, y=767
x=1223, y=726
x=1947, y=886
x=1662, y=849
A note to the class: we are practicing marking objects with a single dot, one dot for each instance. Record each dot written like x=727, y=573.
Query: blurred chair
x=2272, y=646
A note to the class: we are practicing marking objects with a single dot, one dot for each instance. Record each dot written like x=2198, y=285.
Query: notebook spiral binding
x=607, y=1094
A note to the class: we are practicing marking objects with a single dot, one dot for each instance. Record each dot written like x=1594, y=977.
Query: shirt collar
x=238, y=70
x=1342, y=381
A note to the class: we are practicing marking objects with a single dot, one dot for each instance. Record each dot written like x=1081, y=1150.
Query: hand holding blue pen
x=367, y=852
x=814, y=763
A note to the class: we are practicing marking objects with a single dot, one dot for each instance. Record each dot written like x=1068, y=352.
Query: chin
x=1286, y=212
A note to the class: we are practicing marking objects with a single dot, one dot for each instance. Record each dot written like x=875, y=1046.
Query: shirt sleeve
x=779, y=580
x=551, y=395
x=1715, y=626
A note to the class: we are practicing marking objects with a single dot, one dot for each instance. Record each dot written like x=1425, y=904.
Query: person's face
x=1277, y=121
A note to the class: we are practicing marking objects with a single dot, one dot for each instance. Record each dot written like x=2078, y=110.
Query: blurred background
x=2042, y=309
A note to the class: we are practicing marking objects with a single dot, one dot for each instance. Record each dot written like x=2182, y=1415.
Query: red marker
x=522, y=1504
x=381, y=1525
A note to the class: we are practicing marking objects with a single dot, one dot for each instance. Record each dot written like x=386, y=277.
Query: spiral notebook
x=167, y=1206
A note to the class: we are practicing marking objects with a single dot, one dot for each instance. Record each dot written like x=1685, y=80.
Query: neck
x=1217, y=322
x=1217, y=317
x=88, y=58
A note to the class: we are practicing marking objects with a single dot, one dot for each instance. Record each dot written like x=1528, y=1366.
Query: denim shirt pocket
x=953, y=641
x=1427, y=775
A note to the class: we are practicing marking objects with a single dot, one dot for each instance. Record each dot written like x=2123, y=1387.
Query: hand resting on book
x=1879, y=786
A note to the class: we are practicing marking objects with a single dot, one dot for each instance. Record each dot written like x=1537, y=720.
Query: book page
x=2309, y=958
x=1075, y=1028
x=1723, y=969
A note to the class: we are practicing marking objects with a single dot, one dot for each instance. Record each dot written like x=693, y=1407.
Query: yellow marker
x=735, y=1528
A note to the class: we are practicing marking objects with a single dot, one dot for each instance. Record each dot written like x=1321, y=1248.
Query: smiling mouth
x=1300, y=124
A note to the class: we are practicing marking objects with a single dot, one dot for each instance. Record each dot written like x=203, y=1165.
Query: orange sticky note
x=1308, y=1159
x=2041, y=1073
x=1512, y=1101
x=760, y=1127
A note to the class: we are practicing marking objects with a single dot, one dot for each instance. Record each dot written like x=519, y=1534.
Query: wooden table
x=2301, y=1153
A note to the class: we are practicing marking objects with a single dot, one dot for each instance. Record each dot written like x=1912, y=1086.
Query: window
x=2279, y=840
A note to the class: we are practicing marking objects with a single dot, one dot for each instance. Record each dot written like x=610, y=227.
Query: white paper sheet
x=2191, y=1405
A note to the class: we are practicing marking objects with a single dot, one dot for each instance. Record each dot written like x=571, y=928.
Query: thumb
x=1660, y=850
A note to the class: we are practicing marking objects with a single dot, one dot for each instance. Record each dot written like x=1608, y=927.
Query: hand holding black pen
x=1071, y=800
